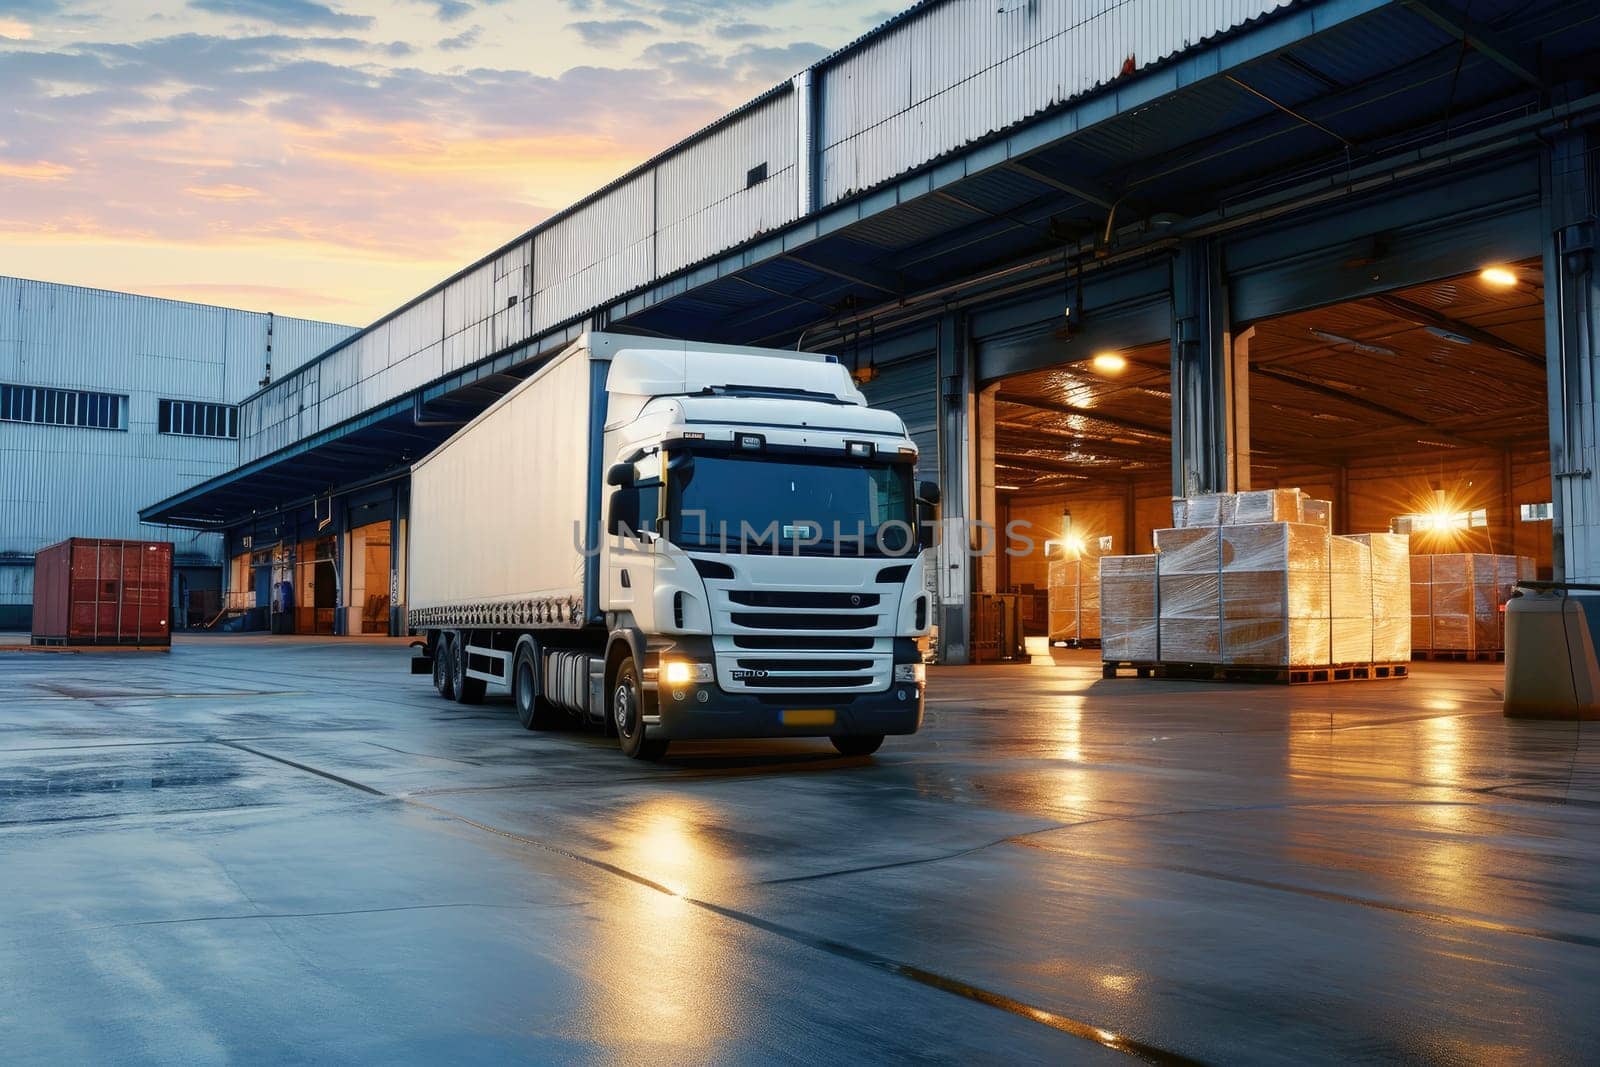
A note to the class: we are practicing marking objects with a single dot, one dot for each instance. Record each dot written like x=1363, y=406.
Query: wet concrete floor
x=253, y=850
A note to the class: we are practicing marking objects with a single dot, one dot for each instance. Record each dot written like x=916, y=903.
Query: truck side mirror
x=928, y=493
x=620, y=474
x=622, y=517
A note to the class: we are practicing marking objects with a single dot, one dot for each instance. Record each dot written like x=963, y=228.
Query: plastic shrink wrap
x=1275, y=595
x=1350, y=584
x=1073, y=593
x=1391, y=595
x=1457, y=597
x=1263, y=505
x=1421, y=602
x=1129, y=629
x=1188, y=564
x=1317, y=512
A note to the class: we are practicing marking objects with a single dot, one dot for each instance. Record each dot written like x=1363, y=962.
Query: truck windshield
x=766, y=504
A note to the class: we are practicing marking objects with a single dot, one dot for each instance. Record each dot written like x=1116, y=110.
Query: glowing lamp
x=1109, y=362
x=1499, y=277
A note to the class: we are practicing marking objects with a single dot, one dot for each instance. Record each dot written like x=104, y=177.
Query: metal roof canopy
x=1272, y=116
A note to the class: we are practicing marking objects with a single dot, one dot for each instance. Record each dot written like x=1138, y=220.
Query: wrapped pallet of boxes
x=1421, y=602
x=1391, y=595
x=1128, y=621
x=1492, y=580
x=1350, y=600
x=1450, y=602
x=1275, y=595
x=1188, y=596
x=1074, y=598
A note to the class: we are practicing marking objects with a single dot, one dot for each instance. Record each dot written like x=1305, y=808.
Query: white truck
x=678, y=540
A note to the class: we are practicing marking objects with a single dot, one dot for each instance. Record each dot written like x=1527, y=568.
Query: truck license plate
x=808, y=717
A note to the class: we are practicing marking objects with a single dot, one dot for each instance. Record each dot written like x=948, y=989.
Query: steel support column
x=1572, y=362
x=956, y=401
x=1201, y=378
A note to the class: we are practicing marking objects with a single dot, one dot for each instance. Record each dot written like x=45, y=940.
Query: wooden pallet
x=1217, y=672
x=1449, y=655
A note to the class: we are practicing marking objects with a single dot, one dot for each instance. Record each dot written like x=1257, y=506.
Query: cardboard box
x=1317, y=512
x=1392, y=630
x=1350, y=600
x=1266, y=505
x=1276, y=642
x=1190, y=640
x=1129, y=630
x=1274, y=546
x=1275, y=594
x=1073, y=597
x=1204, y=510
x=1195, y=550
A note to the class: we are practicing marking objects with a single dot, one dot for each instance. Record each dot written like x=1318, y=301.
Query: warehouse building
x=108, y=399
x=1096, y=255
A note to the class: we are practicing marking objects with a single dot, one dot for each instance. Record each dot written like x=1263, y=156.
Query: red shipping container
x=88, y=591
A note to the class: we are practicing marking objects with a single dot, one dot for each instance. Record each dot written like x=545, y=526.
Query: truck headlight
x=682, y=672
x=910, y=672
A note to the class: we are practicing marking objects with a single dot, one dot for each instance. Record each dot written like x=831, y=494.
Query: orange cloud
x=223, y=191
x=37, y=171
x=15, y=29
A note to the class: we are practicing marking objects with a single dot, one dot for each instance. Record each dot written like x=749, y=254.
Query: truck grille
x=775, y=620
x=803, y=641
x=757, y=598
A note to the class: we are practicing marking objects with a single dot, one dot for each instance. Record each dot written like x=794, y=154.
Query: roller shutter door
x=910, y=389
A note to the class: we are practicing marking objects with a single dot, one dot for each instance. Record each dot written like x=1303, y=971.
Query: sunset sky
x=332, y=158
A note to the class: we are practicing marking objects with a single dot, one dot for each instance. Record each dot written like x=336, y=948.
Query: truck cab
x=762, y=547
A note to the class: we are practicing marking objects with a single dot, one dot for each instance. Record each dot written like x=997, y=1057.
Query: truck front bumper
x=896, y=710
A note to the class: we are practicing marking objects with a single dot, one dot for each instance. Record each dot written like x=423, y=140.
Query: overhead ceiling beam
x=1040, y=404
x=1418, y=315
x=1087, y=191
x=1358, y=402
x=1015, y=435
x=856, y=273
x=1065, y=466
x=1511, y=57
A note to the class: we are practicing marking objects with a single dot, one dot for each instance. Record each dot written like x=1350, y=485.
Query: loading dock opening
x=1426, y=405
x=1083, y=456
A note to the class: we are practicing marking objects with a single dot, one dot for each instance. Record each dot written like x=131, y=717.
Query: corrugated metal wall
x=60, y=481
x=943, y=77
x=964, y=69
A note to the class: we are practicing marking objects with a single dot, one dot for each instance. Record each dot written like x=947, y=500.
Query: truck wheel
x=627, y=715
x=467, y=690
x=441, y=666
x=533, y=710
x=857, y=744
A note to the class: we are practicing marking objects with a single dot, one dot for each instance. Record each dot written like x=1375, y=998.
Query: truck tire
x=626, y=710
x=533, y=710
x=857, y=744
x=441, y=666
x=467, y=690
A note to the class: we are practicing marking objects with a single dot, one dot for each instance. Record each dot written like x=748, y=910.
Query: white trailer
x=678, y=540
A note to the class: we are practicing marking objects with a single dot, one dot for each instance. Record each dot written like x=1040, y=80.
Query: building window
x=195, y=418
x=63, y=407
x=1539, y=512
x=1476, y=518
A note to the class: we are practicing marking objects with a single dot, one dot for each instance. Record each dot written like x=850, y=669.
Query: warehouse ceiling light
x=1499, y=277
x=1109, y=362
